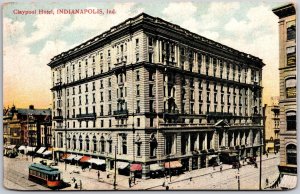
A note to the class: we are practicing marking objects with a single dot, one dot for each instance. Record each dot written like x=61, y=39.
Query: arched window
x=290, y=87
x=102, y=144
x=291, y=122
x=95, y=143
x=80, y=142
x=87, y=141
x=74, y=142
x=153, y=145
x=291, y=154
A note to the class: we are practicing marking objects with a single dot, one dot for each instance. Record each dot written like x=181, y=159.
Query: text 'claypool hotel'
x=156, y=92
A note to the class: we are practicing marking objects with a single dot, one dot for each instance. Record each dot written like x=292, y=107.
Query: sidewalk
x=90, y=182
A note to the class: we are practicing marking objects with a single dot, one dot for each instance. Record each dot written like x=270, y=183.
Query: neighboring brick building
x=156, y=91
x=288, y=106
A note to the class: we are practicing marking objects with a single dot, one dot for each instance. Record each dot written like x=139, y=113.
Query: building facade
x=23, y=126
x=156, y=92
x=287, y=103
x=272, y=143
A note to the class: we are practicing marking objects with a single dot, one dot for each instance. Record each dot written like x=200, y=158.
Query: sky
x=30, y=41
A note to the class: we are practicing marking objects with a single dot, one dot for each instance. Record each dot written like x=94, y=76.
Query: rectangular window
x=138, y=90
x=291, y=56
x=138, y=122
x=151, y=90
x=137, y=75
x=291, y=30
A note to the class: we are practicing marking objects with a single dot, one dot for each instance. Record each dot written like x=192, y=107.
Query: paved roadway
x=16, y=177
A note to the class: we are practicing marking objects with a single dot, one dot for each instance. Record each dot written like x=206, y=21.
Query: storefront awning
x=30, y=149
x=122, y=165
x=77, y=158
x=64, y=156
x=288, y=182
x=70, y=157
x=211, y=157
x=21, y=148
x=85, y=159
x=173, y=164
x=156, y=167
x=41, y=150
x=47, y=152
x=96, y=161
x=135, y=167
x=10, y=147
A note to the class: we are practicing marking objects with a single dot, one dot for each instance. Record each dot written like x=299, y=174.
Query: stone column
x=190, y=163
x=205, y=141
x=145, y=171
x=199, y=161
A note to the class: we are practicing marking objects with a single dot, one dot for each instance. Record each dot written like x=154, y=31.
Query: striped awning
x=173, y=164
x=47, y=152
x=30, y=149
x=288, y=182
x=96, y=161
x=21, y=148
x=77, y=158
x=136, y=167
x=122, y=165
x=84, y=159
x=41, y=150
x=156, y=167
x=71, y=157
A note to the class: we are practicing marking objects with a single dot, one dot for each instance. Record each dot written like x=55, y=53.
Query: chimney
x=31, y=107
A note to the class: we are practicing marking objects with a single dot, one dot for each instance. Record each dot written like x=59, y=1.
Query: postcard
x=160, y=95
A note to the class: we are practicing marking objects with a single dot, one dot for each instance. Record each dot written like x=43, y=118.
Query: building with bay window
x=156, y=92
x=287, y=103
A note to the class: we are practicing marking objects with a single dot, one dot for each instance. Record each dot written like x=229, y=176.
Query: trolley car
x=45, y=175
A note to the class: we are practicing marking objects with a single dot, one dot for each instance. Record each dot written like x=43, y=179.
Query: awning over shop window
x=135, y=167
x=10, y=147
x=41, y=150
x=288, y=182
x=173, y=164
x=156, y=167
x=77, y=158
x=96, y=161
x=65, y=156
x=30, y=149
x=85, y=159
x=122, y=165
x=47, y=152
x=233, y=154
x=211, y=157
x=21, y=148
x=70, y=157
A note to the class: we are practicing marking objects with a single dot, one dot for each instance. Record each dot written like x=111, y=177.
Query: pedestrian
x=255, y=165
x=190, y=178
x=267, y=154
x=98, y=175
x=211, y=175
x=76, y=186
x=80, y=185
x=267, y=181
x=129, y=182
x=221, y=168
x=167, y=187
x=214, y=166
x=90, y=167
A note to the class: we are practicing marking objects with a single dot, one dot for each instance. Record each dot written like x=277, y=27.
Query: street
x=16, y=177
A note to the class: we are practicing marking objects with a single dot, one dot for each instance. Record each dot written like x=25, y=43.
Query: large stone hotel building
x=156, y=92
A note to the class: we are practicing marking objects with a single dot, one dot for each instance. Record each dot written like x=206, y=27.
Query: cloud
x=46, y=25
x=95, y=24
x=12, y=30
x=178, y=12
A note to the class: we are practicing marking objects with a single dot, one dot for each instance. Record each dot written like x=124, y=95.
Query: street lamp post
x=238, y=175
x=169, y=157
x=115, y=165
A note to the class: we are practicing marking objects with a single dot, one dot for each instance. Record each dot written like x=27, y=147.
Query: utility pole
x=115, y=165
x=260, y=166
x=238, y=175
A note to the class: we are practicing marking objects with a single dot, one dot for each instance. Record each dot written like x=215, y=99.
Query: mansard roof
x=156, y=25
